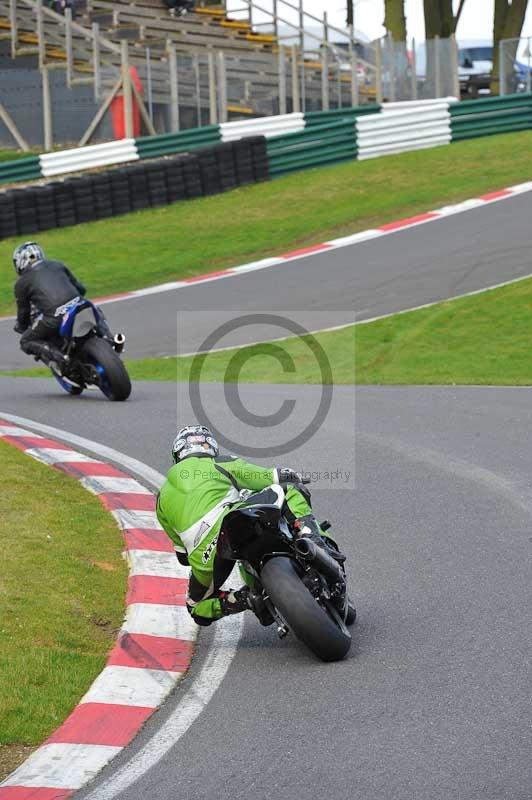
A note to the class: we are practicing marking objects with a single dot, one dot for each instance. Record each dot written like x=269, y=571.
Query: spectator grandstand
x=203, y=67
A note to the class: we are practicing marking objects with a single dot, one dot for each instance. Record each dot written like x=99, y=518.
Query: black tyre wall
x=145, y=184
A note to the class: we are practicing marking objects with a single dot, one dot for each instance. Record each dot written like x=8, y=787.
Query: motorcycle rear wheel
x=319, y=629
x=114, y=380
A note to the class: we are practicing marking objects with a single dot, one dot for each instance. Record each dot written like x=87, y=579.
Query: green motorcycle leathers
x=197, y=494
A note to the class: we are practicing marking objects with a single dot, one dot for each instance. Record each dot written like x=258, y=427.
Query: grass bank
x=11, y=155
x=482, y=339
x=188, y=238
x=62, y=591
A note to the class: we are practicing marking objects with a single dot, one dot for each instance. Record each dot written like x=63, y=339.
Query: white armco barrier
x=262, y=126
x=405, y=105
x=404, y=127
x=80, y=158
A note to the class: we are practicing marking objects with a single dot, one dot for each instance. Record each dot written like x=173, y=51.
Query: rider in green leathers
x=200, y=489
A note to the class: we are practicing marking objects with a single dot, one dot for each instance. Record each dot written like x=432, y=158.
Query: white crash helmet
x=194, y=440
x=27, y=254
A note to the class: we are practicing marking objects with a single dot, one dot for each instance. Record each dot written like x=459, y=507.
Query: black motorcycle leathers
x=43, y=289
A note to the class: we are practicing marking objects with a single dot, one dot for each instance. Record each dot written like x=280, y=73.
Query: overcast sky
x=476, y=21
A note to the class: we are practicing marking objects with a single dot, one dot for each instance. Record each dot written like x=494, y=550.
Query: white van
x=475, y=62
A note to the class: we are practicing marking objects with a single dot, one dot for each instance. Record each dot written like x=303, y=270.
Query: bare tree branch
x=458, y=14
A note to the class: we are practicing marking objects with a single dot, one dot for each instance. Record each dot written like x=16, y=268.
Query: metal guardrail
x=22, y=169
x=321, y=144
x=400, y=129
x=473, y=118
x=265, y=126
x=155, y=146
x=81, y=158
x=313, y=118
x=323, y=137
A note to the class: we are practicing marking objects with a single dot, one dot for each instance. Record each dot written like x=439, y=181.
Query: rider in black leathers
x=41, y=291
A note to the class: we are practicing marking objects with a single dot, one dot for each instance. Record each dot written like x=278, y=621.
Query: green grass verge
x=482, y=339
x=188, y=238
x=62, y=592
x=12, y=155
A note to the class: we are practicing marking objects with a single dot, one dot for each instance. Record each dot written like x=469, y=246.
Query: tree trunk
x=440, y=19
x=508, y=23
x=432, y=18
x=447, y=18
x=394, y=19
x=350, y=17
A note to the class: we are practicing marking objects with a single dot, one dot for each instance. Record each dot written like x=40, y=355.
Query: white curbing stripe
x=62, y=766
x=11, y=430
x=131, y=686
x=102, y=484
x=151, y=619
x=49, y=455
x=255, y=265
x=154, y=562
x=126, y=518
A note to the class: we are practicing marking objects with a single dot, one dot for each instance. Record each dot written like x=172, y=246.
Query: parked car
x=475, y=63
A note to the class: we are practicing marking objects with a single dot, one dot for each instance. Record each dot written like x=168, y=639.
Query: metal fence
x=515, y=66
x=306, y=65
x=410, y=72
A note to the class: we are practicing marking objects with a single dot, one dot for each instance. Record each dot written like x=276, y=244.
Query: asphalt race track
x=434, y=700
x=447, y=257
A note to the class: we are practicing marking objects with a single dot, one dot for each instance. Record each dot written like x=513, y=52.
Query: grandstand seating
x=89, y=50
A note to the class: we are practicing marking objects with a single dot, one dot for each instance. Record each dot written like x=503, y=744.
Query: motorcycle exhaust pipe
x=119, y=341
x=315, y=555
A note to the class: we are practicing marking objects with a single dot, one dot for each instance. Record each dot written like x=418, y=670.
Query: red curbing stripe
x=101, y=723
x=151, y=652
x=153, y=589
x=34, y=793
x=305, y=251
x=208, y=276
x=117, y=296
x=405, y=223
x=148, y=539
x=130, y=500
x=80, y=469
x=495, y=195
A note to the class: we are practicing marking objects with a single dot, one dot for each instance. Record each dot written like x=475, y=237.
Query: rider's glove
x=288, y=475
x=234, y=602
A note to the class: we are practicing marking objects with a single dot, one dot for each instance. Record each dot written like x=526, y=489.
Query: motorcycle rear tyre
x=116, y=384
x=308, y=620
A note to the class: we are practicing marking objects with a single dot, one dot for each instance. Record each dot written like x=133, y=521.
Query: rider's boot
x=308, y=526
x=234, y=602
x=53, y=358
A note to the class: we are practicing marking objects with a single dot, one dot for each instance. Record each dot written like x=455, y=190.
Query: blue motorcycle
x=93, y=353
